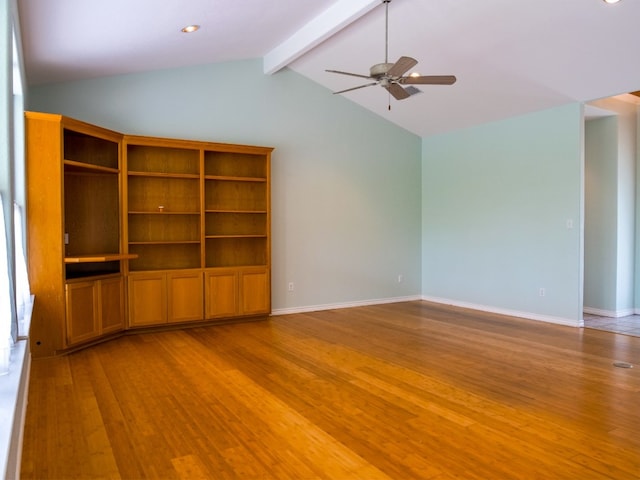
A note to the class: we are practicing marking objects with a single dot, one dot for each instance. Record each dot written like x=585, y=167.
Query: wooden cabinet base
x=94, y=308
x=232, y=292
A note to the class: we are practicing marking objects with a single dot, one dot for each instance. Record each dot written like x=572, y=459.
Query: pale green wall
x=637, y=219
x=601, y=219
x=495, y=204
x=610, y=209
x=346, y=183
x=481, y=222
x=626, y=210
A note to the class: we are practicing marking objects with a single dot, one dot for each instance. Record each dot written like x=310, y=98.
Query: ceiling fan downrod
x=386, y=30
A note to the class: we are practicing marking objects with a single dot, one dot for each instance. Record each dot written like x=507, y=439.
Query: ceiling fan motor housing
x=380, y=70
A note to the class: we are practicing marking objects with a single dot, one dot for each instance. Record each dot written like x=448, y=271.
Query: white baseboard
x=610, y=313
x=503, y=311
x=483, y=308
x=333, y=306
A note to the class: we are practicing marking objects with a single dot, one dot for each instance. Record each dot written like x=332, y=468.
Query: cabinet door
x=82, y=312
x=185, y=296
x=255, y=297
x=147, y=299
x=221, y=293
x=111, y=305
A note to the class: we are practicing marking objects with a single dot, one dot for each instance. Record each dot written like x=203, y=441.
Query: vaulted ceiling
x=509, y=57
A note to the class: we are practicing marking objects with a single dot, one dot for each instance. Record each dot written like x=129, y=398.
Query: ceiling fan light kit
x=391, y=75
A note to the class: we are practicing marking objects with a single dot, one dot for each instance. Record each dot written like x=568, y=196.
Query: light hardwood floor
x=402, y=391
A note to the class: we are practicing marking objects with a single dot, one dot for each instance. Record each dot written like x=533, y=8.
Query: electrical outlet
x=290, y=286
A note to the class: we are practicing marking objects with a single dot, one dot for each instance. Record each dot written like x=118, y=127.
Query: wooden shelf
x=70, y=279
x=236, y=236
x=164, y=212
x=236, y=211
x=234, y=179
x=98, y=258
x=164, y=175
x=173, y=242
x=81, y=167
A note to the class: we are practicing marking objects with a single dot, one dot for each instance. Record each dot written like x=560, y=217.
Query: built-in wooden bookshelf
x=75, y=250
x=196, y=208
x=130, y=231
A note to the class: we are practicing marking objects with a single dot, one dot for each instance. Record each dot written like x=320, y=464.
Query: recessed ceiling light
x=414, y=74
x=191, y=28
x=611, y=1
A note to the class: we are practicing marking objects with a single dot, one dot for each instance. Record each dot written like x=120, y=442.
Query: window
x=13, y=386
x=6, y=314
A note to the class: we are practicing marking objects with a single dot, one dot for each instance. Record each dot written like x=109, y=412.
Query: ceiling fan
x=391, y=75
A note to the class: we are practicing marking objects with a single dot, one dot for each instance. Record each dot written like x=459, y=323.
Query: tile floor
x=626, y=325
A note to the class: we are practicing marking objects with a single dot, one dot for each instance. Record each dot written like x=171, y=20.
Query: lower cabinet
x=157, y=298
x=255, y=295
x=94, y=308
x=184, y=296
x=233, y=292
x=221, y=293
x=147, y=298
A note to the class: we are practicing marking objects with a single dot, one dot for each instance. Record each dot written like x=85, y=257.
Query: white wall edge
x=17, y=435
x=610, y=313
x=13, y=402
x=14, y=399
x=568, y=322
x=333, y=306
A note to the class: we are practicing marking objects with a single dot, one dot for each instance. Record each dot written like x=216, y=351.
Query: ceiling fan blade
x=429, y=80
x=347, y=73
x=397, y=91
x=401, y=66
x=356, y=88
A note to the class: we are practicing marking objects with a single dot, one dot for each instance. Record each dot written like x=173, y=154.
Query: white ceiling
x=510, y=56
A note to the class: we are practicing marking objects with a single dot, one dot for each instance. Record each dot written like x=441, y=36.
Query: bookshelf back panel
x=163, y=160
x=235, y=252
x=236, y=196
x=236, y=224
x=164, y=227
x=165, y=256
x=92, y=150
x=235, y=164
x=91, y=213
x=150, y=194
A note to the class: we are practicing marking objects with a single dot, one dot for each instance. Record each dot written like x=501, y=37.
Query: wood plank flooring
x=402, y=391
